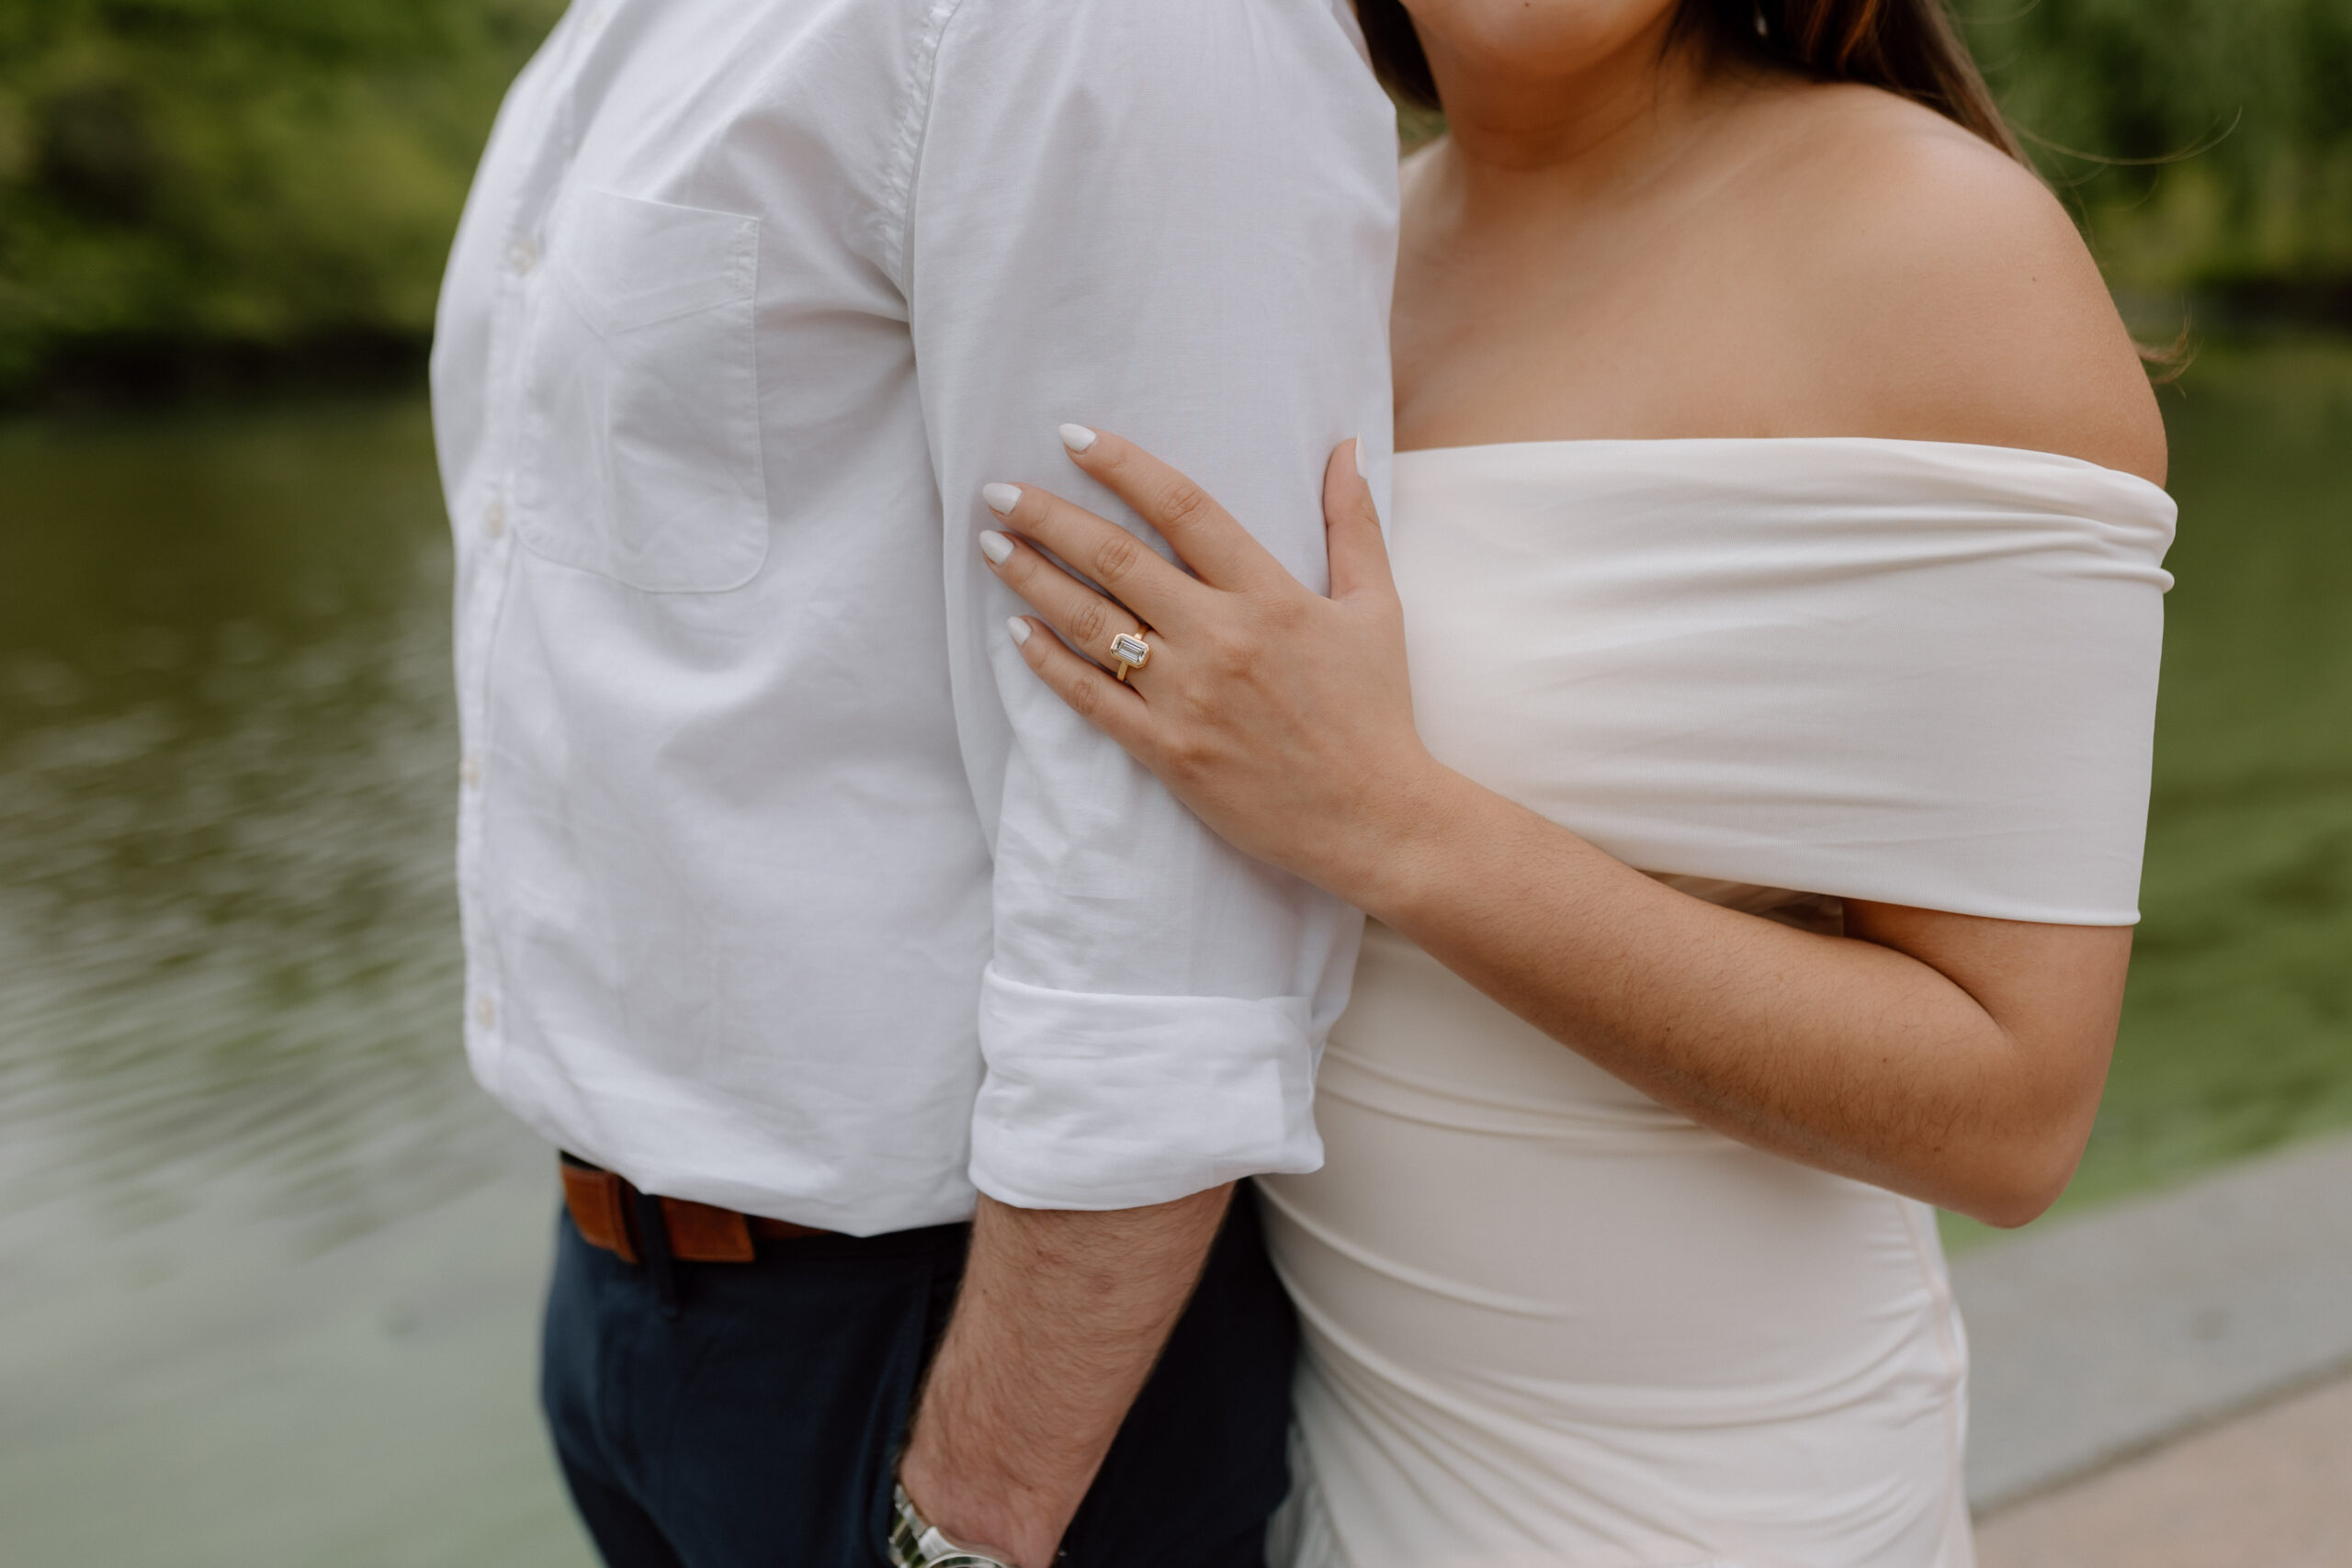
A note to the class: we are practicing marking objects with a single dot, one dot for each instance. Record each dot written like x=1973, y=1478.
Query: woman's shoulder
x=1943, y=293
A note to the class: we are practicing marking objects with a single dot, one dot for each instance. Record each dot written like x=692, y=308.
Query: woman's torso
x=1550, y=1320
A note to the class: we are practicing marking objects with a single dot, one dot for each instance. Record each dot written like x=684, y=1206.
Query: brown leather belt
x=604, y=1209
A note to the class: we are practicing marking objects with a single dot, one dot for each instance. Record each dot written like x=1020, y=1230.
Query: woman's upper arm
x=1960, y=305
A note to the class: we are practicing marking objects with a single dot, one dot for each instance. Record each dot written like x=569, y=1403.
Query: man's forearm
x=1061, y=1318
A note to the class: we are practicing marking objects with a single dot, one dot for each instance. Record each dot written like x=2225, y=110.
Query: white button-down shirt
x=785, y=885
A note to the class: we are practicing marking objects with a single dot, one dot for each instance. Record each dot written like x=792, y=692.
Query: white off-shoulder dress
x=1550, y=1323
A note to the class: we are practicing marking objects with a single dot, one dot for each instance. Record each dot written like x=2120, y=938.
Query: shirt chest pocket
x=641, y=429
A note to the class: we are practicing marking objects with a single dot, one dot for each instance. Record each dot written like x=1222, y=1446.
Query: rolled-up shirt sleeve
x=1174, y=218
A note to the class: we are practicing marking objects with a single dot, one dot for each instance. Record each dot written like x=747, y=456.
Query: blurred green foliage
x=2206, y=144
x=254, y=173
x=260, y=175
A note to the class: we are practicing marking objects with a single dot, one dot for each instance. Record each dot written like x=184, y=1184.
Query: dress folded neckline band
x=1910, y=673
x=1597, y=444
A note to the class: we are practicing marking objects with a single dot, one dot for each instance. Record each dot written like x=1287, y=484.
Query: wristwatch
x=914, y=1544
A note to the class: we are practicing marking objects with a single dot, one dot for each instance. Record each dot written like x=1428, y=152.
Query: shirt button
x=494, y=519
x=470, y=772
x=525, y=256
x=486, y=1013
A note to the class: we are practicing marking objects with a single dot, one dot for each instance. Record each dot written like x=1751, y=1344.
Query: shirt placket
x=487, y=559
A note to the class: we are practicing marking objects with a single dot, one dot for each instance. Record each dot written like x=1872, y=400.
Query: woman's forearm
x=1840, y=1051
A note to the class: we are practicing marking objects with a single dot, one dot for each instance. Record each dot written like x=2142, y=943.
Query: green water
x=267, y=1260
x=2237, y=1031
x=223, y=827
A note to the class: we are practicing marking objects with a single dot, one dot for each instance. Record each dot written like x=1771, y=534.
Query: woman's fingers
x=1203, y=533
x=1352, y=527
x=1088, y=619
x=1128, y=569
x=1114, y=709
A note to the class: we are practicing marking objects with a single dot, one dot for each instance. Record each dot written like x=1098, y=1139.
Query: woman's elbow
x=2013, y=1204
x=2027, y=1173
x=2027, y=1149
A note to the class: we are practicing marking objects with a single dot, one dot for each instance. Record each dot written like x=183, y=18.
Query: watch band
x=914, y=1544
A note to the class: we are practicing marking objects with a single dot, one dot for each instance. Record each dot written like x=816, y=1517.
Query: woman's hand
x=1283, y=717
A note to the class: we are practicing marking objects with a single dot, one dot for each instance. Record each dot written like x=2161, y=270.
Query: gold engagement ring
x=1131, y=651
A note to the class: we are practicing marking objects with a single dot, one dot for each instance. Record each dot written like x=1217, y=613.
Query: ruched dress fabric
x=1550, y=1323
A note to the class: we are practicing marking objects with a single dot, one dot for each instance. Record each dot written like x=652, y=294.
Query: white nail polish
x=996, y=547
x=1001, y=499
x=1361, y=471
x=1077, y=437
x=1019, y=628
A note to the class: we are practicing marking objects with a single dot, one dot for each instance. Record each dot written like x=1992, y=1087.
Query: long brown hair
x=1908, y=47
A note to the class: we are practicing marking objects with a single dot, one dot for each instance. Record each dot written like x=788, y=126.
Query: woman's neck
x=1606, y=122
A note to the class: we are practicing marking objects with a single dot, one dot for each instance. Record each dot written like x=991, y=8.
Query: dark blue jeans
x=757, y=1429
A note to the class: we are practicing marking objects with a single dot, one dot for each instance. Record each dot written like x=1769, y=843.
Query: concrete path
x=2266, y=1491
x=2101, y=1337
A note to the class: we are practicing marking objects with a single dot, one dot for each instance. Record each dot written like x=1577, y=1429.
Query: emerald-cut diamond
x=1130, y=650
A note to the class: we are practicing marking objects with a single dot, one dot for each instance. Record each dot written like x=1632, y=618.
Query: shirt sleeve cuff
x=1096, y=1102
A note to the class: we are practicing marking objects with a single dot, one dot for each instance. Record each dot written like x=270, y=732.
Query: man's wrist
x=916, y=1542
x=994, y=1518
x=1059, y=1319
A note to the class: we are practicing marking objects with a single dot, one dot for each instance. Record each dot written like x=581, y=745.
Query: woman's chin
x=1537, y=39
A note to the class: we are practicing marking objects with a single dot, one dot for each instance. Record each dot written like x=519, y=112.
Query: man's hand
x=1060, y=1318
